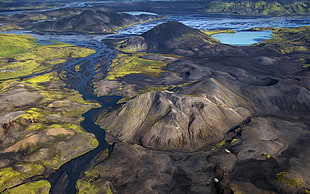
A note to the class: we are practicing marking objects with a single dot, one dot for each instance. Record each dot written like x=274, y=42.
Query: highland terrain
x=196, y=115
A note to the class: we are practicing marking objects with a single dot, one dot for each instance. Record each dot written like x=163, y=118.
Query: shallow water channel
x=64, y=180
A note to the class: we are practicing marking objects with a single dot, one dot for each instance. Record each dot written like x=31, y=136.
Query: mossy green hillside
x=30, y=57
x=290, y=41
x=125, y=64
x=92, y=182
x=48, y=133
x=11, y=176
x=6, y=27
x=167, y=87
x=42, y=187
x=286, y=179
x=11, y=44
x=275, y=8
x=297, y=36
x=95, y=186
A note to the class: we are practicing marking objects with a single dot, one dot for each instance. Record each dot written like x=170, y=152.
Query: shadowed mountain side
x=167, y=121
x=287, y=98
x=92, y=21
x=168, y=37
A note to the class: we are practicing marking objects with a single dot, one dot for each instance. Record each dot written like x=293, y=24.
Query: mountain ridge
x=92, y=21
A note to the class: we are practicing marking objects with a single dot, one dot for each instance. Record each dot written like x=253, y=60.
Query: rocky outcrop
x=18, y=96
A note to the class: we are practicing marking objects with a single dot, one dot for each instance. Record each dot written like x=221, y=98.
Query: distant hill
x=167, y=37
x=260, y=7
x=92, y=21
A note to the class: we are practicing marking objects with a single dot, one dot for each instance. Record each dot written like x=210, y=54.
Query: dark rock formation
x=168, y=37
x=167, y=121
x=91, y=21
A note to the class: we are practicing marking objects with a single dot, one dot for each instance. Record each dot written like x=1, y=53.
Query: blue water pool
x=243, y=38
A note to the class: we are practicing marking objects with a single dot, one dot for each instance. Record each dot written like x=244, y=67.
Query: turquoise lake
x=243, y=38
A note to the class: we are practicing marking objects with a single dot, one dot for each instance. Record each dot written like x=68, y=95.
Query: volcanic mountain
x=224, y=119
x=92, y=21
x=168, y=37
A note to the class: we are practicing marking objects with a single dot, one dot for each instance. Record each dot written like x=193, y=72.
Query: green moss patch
x=11, y=44
x=41, y=187
x=293, y=37
x=275, y=8
x=290, y=41
x=21, y=55
x=125, y=64
x=48, y=133
x=13, y=176
x=211, y=32
x=6, y=27
x=94, y=186
x=286, y=179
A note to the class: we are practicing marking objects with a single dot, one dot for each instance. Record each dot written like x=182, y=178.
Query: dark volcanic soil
x=220, y=119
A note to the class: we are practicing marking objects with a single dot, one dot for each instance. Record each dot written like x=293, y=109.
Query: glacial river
x=80, y=80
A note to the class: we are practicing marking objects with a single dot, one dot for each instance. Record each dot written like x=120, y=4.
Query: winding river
x=64, y=180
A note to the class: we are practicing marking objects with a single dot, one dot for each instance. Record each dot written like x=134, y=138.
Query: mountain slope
x=167, y=37
x=167, y=121
x=92, y=21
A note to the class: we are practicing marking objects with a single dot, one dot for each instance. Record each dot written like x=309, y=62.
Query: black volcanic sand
x=220, y=119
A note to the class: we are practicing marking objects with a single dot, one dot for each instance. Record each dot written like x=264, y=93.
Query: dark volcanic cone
x=167, y=37
x=168, y=121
